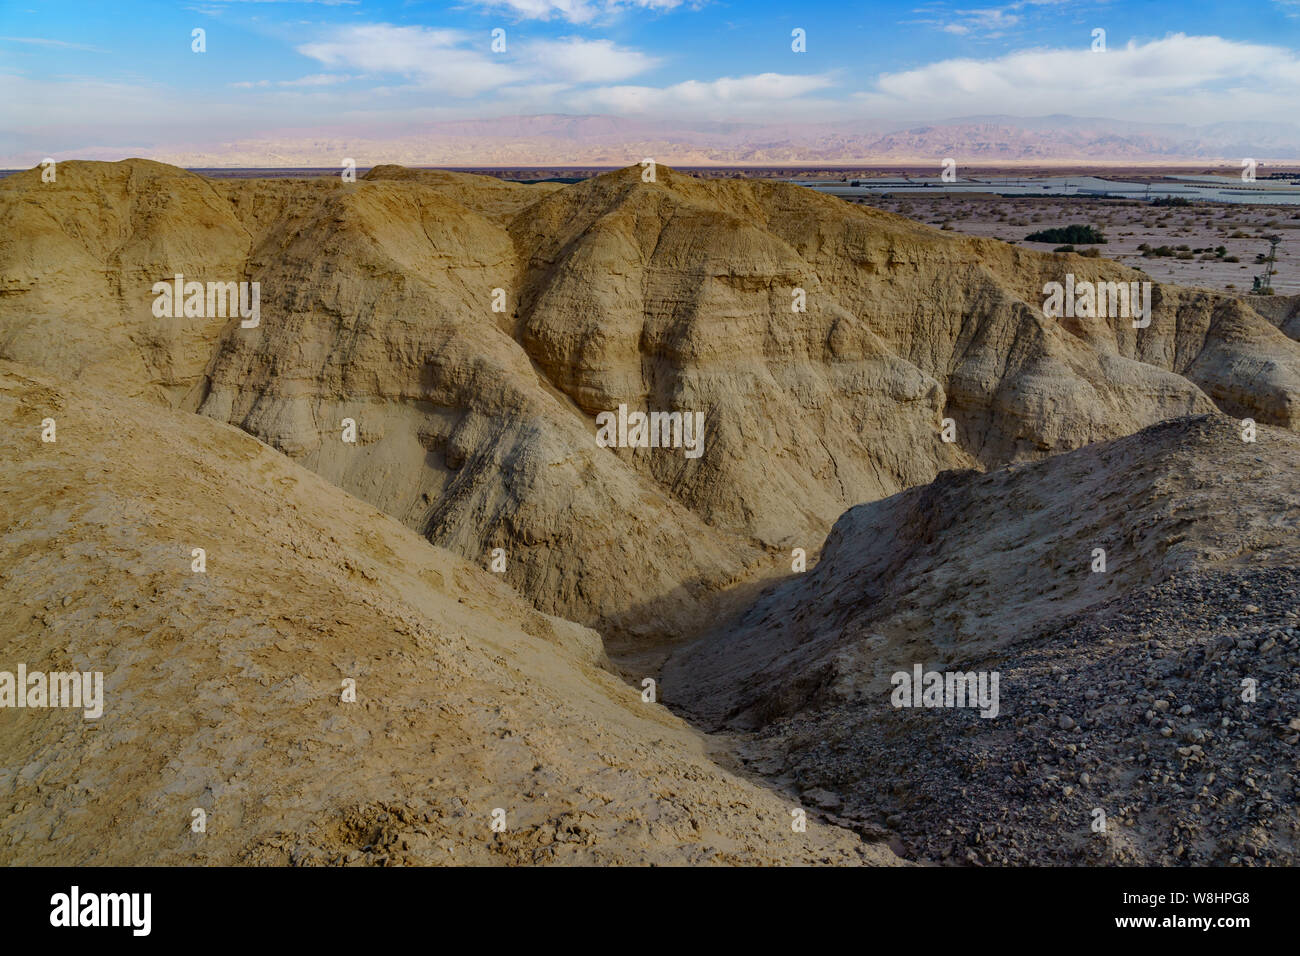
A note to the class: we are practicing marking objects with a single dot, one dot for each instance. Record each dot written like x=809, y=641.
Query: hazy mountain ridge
x=616, y=141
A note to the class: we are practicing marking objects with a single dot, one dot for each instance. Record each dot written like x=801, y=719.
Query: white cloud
x=992, y=21
x=323, y=3
x=585, y=61
x=987, y=22
x=1175, y=79
x=575, y=11
x=441, y=59
x=55, y=44
x=760, y=94
x=462, y=64
x=48, y=115
x=316, y=79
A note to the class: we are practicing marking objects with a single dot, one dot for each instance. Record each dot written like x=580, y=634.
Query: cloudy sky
x=123, y=75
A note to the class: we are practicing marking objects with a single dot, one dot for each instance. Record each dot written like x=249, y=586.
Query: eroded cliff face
x=223, y=689
x=477, y=427
x=78, y=259
x=965, y=568
x=1108, y=612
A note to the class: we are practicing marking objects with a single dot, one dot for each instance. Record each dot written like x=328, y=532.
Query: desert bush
x=1072, y=235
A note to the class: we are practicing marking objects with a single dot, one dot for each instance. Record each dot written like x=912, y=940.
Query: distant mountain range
x=616, y=141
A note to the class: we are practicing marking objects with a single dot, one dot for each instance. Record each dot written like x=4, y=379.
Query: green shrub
x=1069, y=235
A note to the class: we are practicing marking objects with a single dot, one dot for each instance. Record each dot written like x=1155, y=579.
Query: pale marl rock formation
x=954, y=574
x=222, y=689
x=476, y=428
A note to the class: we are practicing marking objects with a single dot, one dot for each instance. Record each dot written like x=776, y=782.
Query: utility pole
x=1264, y=283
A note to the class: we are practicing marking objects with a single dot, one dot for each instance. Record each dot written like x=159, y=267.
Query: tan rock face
x=222, y=690
x=79, y=256
x=961, y=570
x=477, y=427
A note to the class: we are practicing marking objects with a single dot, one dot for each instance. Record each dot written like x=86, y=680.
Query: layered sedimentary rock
x=224, y=735
x=988, y=667
x=473, y=330
x=959, y=571
x=431, y=360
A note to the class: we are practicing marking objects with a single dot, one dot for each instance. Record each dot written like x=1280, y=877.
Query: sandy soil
x=1238, y=228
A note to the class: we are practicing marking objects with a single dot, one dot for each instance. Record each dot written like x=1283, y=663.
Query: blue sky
x=75, y=75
